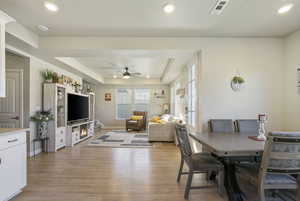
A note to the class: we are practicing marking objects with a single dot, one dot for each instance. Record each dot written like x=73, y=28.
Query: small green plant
x=238, y=80
x=47, y=75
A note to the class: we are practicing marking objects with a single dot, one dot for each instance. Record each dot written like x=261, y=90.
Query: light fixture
x=51, y=6
x=148, y=76
x=126, y=74
x=114, y=76
x=169, y=8
x=43, y=28
x=286, y=8
x=126, y=77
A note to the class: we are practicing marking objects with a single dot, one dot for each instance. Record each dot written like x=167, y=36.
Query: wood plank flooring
x=86, y=173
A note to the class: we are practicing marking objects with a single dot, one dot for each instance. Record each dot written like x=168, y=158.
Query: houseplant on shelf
x=48, y=76
x=42, y=118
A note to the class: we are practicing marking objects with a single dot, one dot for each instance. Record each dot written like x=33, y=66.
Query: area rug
x=122, y=138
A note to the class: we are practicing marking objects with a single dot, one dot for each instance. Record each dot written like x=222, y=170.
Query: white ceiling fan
x=126, y=74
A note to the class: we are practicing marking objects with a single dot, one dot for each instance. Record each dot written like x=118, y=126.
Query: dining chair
x=247, y=125
x=221, y=126
x=196, y=162
x=280, y=162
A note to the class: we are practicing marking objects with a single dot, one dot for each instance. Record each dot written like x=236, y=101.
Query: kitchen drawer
x=7, y=141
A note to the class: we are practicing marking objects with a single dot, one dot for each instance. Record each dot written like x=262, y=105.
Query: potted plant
x=48, y=76
x=237, y=82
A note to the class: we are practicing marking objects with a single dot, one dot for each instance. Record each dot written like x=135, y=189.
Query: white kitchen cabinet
x=13, y=163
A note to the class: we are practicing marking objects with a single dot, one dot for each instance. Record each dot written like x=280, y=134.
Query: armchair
x=137, y=124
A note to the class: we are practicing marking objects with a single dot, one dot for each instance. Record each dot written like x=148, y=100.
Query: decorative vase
x=42, y=130
x=262, y=118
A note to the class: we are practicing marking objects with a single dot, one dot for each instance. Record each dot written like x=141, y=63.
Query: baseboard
x=113, y=128
x=37, y=152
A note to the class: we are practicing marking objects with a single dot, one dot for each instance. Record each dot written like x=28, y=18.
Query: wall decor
x=298, y=80
x=159, y=93
x=107, y=96
x=237, y=83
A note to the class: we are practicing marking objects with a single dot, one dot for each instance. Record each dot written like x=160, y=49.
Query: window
x=124, y=103
x=129, y=100
x=141, y=99
x=177, y=107
x=192, y=96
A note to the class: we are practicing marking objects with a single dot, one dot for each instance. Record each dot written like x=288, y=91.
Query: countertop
x=10, y=131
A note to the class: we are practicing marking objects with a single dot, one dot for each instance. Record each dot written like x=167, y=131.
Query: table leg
x=230, y=181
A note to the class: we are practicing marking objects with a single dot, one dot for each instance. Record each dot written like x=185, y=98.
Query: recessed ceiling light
x=43, y=28
x=114, y=76
x=148, y=76
x=169, y=8
x=286, y=8
x=51, y=6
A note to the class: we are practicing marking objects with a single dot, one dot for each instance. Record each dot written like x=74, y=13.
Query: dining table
x=231, y=149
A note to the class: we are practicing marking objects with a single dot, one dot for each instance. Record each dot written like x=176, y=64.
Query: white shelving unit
x=55, y=98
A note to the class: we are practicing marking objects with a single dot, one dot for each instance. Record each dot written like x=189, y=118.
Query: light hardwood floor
x=86, y=173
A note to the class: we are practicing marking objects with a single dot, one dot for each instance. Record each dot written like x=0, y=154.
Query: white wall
x=291, y=95
x=106, y=111
x=260, y=63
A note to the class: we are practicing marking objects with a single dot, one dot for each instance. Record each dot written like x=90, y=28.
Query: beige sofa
x=161, y=132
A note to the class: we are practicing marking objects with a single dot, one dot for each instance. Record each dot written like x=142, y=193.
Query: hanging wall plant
x=237, y=83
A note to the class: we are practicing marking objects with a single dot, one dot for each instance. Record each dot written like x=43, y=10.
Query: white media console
x=79, y=131
x=60, y=133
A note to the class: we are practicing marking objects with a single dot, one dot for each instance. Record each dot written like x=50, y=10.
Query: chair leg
x=188, y=185
x=221, y=187
x=180, y=170
x=262, y=194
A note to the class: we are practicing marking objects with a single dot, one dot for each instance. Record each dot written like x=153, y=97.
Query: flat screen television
x=78, y=107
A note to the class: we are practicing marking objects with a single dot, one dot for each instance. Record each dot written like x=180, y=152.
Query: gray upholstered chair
x=221, y=126
x=196, y=162
x=280, y=163
x=247, y=125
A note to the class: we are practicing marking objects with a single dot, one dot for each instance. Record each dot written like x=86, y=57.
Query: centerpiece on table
x=42, y=118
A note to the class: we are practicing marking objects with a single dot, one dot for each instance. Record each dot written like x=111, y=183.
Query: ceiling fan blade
x=136, y=73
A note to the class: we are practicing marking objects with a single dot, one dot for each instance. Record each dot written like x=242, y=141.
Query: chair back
x=221, y=126
x=247, y=125
x=282, y=153
x=183, y=141
x=139, y=113
x=144, y=114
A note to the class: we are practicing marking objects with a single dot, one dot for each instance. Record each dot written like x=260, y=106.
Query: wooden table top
x=230, y=144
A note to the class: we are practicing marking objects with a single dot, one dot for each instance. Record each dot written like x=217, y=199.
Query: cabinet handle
x=14, y=140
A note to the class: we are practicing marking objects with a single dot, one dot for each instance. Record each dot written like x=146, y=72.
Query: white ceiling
x=147, y=62
x=146, y=18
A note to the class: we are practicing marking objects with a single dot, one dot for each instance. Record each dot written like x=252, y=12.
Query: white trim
x=4, y=18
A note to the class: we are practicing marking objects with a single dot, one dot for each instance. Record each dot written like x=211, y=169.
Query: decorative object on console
x=262, y=118
x=42, y=118
x=48, y=76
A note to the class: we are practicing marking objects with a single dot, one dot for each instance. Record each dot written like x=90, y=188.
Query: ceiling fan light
x=126, y=77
